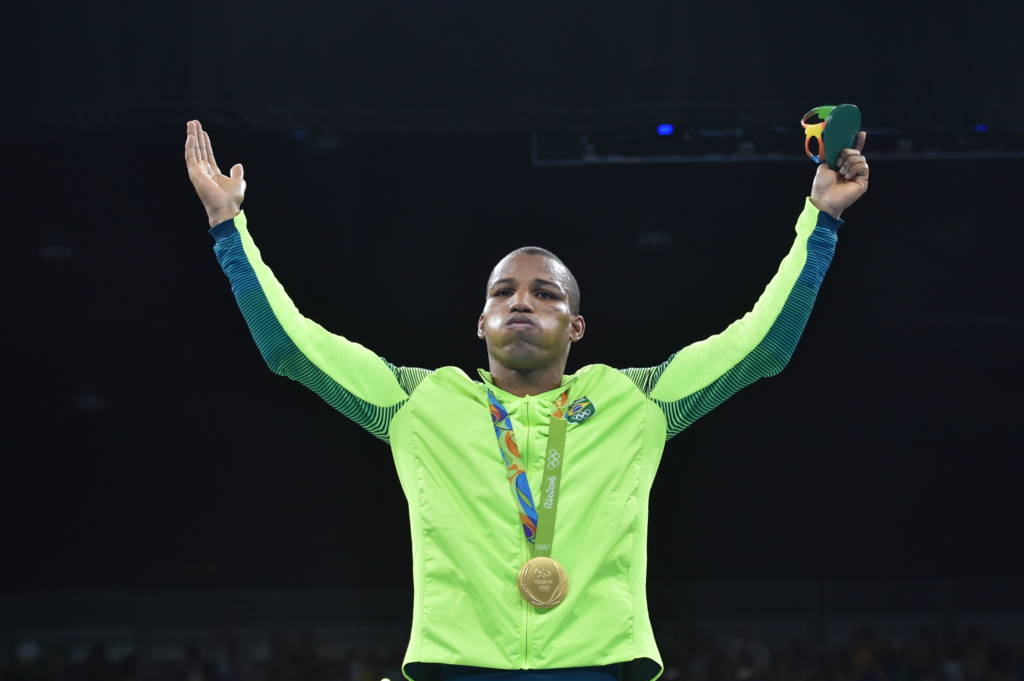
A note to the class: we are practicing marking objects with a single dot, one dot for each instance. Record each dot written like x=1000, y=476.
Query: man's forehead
x=527, y=267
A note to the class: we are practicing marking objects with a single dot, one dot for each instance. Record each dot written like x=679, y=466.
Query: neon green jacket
x=467, y=539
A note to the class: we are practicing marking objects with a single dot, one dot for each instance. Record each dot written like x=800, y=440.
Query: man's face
x=526, y=321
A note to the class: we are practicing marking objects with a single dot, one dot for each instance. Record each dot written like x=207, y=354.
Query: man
x=500, y=589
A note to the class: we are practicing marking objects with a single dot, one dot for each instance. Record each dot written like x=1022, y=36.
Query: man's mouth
x=519, y=322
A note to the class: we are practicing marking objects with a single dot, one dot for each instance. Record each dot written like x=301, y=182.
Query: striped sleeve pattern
x=361, y=385
x=409, y=377
x=701, y=376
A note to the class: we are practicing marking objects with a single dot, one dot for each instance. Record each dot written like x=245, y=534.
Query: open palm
x=221, y=194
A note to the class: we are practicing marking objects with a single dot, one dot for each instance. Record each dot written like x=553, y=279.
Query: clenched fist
x=834, y=192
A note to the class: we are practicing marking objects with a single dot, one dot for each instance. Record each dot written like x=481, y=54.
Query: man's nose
x=520, y=301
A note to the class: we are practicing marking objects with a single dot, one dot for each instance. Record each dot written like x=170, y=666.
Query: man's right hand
x=221, y=194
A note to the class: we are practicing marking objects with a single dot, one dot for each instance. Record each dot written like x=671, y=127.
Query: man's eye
x=546, y=294
x=503, y=292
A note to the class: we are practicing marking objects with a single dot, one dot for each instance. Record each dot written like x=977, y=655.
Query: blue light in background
x=298, y=135
x=665, y=129
x=980, y=127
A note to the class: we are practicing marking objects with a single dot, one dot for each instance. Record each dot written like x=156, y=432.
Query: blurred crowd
x=697, y=656
x=925, y=656
x=299, y=658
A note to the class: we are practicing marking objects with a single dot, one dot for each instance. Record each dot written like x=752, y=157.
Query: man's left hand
x=834, y=192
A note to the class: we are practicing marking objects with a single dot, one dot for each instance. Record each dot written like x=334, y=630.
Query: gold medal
x=542, y=582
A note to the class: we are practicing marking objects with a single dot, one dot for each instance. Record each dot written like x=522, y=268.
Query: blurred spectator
x=97, y=666
x=895, y=660
x=236, y=666
x=865, y=657
x=976, y=656
x=279, y=668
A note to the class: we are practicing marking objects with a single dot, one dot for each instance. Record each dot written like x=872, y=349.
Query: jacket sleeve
x=698, y=378
x=361, y=385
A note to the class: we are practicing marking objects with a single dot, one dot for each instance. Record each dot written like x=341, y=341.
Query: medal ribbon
x=538, y=524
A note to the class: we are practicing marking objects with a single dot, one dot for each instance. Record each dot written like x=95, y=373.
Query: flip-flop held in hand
x=842, y=175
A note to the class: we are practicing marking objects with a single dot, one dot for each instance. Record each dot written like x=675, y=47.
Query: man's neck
x=522, y=382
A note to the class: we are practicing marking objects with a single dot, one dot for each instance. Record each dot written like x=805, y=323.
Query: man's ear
x=577, y=327
x=480, y=327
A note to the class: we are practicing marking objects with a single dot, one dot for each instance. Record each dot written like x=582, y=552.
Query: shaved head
x=566, y=278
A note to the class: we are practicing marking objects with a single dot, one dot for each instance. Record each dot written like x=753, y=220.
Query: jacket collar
x=503, y=395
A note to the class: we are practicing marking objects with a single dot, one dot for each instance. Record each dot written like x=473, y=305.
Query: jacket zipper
x=525, y=552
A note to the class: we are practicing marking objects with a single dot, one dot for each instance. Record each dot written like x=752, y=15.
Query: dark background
x=387, y=156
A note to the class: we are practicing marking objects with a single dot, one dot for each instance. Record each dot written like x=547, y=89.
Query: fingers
x=191, y=157
x=855, y=168
x=199, y=139
x=208, y=150
x=852, y=163
x=236, y=171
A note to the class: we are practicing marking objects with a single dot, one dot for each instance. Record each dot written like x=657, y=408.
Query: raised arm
x=352, y=379
x=704, y=374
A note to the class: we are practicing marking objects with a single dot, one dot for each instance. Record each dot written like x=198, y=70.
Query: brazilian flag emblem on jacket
x=580, y=410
